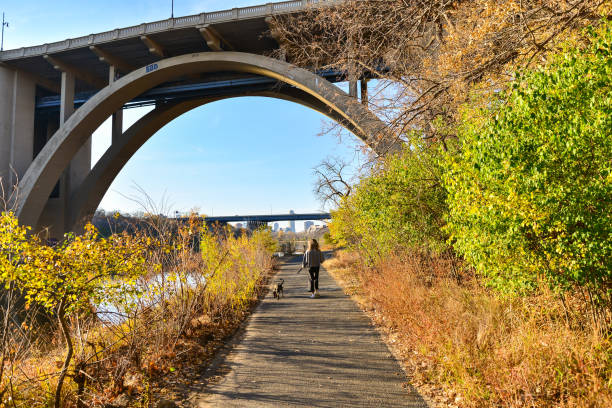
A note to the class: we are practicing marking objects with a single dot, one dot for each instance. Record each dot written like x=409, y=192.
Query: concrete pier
x=17, y=107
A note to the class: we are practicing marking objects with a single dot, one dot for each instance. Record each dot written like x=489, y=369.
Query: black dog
x=277, y=292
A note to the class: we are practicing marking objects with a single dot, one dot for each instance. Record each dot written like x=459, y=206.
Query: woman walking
x=313, y=259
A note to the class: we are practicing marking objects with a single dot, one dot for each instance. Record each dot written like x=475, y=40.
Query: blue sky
x=245, y=155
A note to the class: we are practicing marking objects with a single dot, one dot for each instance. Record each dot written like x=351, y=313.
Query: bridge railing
x=163, y=25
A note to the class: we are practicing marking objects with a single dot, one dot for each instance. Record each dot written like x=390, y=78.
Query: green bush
x=401, y=204
x=530, y=194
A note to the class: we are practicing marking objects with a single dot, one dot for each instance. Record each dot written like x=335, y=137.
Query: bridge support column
x=53, y=213
x=117, y=125
x=80, y=165
x=117, y=119
x=353, y=89
x=364, y=92
x=56, y=215
x=17, y=107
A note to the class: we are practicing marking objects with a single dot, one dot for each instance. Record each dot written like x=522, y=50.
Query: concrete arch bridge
x=54, y=96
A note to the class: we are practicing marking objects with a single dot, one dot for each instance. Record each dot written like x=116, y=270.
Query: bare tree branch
x=331, y=184
x=428, y=55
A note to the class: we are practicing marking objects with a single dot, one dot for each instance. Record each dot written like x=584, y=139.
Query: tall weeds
x=196, y=287
x=487, y=350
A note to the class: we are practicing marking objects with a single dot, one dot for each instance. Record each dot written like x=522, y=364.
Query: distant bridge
x=270, y=218
x=254, y=222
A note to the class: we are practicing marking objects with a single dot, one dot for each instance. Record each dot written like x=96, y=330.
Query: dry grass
x=484, y=350
x=145, y=347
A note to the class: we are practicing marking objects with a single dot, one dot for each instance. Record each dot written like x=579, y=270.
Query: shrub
x=132, y=308
x=401, y=204
x=530, y=195
x=67, y=279
x=234, y=266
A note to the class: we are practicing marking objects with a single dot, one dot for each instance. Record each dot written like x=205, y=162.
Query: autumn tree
x=13, y=243
x=429, y=54
x=530, y=195
x=401, y=204
x=73, y=276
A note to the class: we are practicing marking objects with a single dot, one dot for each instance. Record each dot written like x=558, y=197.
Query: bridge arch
x=41, y=176
x=87, y=197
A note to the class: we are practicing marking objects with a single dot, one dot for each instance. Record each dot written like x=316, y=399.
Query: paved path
x=309, y=352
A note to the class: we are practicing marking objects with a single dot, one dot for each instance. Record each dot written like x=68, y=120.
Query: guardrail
x=195, y=20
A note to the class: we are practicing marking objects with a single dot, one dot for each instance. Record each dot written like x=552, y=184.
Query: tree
x=76, y=275
x=530, y=195
x=331, y=184
x=13, y=244
x=401, y=204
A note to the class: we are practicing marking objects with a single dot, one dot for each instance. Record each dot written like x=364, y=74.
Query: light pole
x=5, y=24
x=172, y=13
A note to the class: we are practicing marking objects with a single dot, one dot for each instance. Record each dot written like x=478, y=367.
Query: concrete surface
x=307, y=352
x=17, y=97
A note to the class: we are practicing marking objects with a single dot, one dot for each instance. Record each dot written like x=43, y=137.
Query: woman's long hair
x=313, y=245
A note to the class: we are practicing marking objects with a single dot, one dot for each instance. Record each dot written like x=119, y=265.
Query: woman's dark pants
x=314, y=278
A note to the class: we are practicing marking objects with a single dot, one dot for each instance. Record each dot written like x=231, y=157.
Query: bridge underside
x=124, y=50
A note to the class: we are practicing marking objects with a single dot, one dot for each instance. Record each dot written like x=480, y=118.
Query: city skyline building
x=292, y=223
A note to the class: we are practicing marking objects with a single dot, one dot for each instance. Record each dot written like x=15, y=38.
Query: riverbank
x=208, y=345
x=171, y=312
